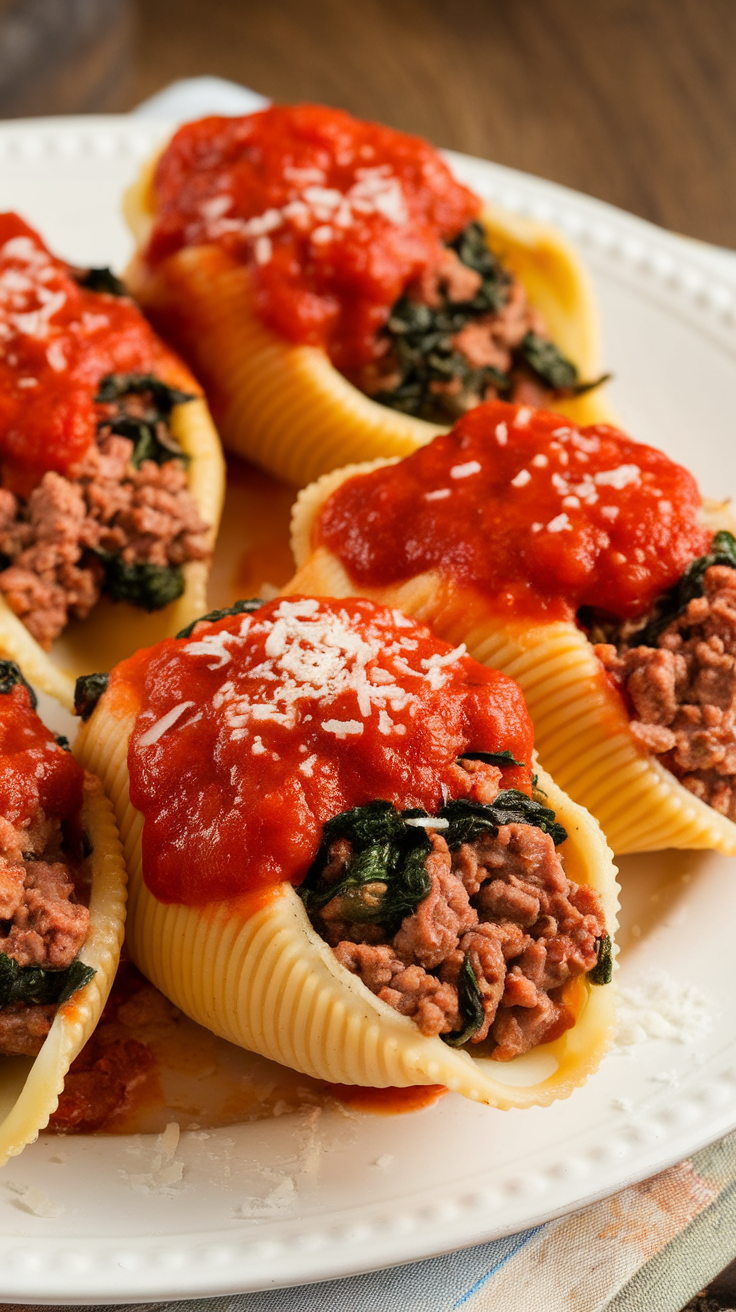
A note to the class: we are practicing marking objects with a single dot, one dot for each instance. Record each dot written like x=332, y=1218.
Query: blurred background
x=632, y=101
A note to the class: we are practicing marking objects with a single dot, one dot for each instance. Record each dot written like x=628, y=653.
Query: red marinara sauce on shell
x=334, y=216
x=542, y=516
x=257, y=729
x=57, y=341
x=35, y=771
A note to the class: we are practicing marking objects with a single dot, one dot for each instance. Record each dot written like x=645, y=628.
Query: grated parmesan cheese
x=624, y=476
x=428, y=822
x=559, y=523
x=465, y=471
x=153, y=734
x=658, y=1006
x=35, y=1201
x=342, y=728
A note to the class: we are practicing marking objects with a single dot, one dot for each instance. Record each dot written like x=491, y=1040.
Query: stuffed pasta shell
x=111, y=475
x=62, y=911
x=583, y=565
x=342, y=296
x=340, y=857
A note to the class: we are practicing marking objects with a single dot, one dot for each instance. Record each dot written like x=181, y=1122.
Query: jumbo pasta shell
x=582, y=731
x=30, y=1087
x=115, y=629
x=286, y=407
x=255, y=971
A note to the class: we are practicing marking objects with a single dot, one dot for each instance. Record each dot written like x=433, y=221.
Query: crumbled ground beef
x=144, y=515
x=683, y=692
x=464, y=332
x=485, y=342
x=41, y=921
x=491, y=339
x=502, y=901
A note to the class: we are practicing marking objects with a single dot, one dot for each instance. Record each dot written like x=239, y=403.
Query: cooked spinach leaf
x=675, y=600
x=470, y=1004
x=151, y=441
x=472, y=249
x=114, y=386
x=10, y=674
x=552, y=367
x=385, y=877
x=468, y=819
x=421, y=346
x=602, y=972
x=435, y=380
x=245, y=607
x=101, y=280
x=33, y=984
x=491, y=758
x=141, y=584
x=87, y=692
x=148, y=432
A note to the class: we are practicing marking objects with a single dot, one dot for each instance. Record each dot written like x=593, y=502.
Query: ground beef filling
x=52, y=542
x=42, y=921
x=683, y=691
x=504, y=903
x=465, y=333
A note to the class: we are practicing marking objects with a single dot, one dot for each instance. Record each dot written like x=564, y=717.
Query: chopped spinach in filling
x=381, y=876
x=432, y=378
x=101, y=280
x=148, y=430
x=673, y=602
x=385, y=878
x=35, y=985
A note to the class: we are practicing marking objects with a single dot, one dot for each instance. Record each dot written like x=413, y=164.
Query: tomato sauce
x=57, y=341
x=34, y=770
x=532, y=511
x=389, y=1101
x=257, y=729
x=335, y=217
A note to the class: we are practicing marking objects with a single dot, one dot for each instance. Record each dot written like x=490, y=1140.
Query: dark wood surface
x=633, y=101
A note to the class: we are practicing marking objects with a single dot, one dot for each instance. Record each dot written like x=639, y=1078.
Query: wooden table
x=633, y=101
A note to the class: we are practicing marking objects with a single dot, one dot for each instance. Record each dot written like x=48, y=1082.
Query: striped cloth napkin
x=649, y=1248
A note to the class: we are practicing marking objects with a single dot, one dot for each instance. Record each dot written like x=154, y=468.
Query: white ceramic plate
x=303, y=1198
